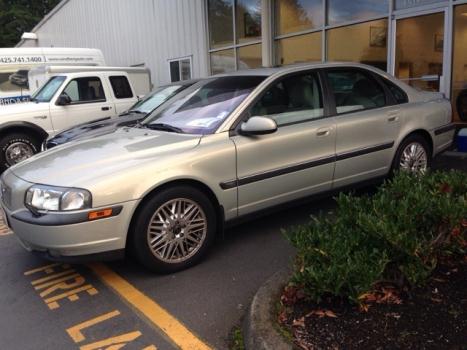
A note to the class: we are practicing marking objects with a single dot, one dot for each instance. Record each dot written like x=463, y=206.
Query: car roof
x=295, y=67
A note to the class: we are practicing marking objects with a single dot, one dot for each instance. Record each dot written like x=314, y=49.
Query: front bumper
x=64, y=235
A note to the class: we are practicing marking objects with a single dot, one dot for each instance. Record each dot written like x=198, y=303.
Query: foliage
x=19, y=16
x=395, y=236
x=236, y=339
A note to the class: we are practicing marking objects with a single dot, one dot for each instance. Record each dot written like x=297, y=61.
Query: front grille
x=5, y=194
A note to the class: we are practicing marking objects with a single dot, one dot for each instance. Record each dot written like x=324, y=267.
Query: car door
x=88, y=101
x=124, y=96
x=295, y=161
x=368, y=122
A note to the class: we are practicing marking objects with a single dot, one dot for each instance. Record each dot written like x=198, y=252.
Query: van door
x=87, y=100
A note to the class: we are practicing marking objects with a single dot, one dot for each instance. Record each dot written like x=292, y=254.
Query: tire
x=171, y=234
x=11, y=144
x=418, y=144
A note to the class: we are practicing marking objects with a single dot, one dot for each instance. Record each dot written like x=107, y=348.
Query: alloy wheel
x=17, y=152
x=414, y=158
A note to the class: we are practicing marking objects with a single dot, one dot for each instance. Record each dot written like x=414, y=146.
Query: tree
x=19, y=16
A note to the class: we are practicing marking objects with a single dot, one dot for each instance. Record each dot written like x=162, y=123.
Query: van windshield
x=48, y=90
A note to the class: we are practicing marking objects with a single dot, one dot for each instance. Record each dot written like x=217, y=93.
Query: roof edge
x=45, y=19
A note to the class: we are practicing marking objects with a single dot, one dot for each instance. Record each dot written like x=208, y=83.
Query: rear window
x=121, y=87
x=399, y=95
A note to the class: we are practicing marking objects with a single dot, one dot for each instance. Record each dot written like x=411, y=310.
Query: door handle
x=106, y=108
x=40, y=117
x=393, y=116
x=322, y=132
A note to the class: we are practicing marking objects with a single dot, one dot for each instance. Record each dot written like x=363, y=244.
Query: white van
x=15, y=64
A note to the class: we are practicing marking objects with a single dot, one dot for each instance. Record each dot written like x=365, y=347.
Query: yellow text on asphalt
x=112, y=343
x=168, y=324
x=57, y=282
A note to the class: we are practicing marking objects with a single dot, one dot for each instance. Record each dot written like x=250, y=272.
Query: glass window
x=85, y=90
x=180, y=70
x=354, y=90
x=248, y=18
x=399, y=95
x=339, y=11
x=405, y=4
x=222, y=61
x=292, y=100
x=298, y=15
x=220, y=18
x=156, y=98
x=204, y=106
x=419, y=51
x=364, y=42
x=249, y=57
x=121, y=87
x=48, y=90
x=459, y=66
x=301, y=48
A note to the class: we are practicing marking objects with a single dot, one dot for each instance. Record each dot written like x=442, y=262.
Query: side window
x=121, y=87
x=399, y=95
x=354, y=90
x=88, y=89
x=294, y=99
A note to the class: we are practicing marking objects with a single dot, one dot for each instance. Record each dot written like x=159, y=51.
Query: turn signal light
x=100, y=214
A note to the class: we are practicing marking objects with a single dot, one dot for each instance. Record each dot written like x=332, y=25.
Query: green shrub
x=396, y=235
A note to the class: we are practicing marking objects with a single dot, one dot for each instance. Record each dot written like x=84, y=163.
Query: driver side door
x=88, y=102
x=295, y=161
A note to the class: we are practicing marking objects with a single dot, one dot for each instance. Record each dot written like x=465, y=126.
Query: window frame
x=390, y=101
x=128, y=84
x=235, y=127
x=386, y=82
x=84, y=102
x=179, y=59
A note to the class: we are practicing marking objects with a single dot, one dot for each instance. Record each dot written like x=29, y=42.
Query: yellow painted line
x=161, y=318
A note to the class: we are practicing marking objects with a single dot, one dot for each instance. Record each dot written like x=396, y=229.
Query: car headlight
x=41, y=197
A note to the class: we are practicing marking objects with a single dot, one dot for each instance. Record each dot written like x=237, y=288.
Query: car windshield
x=48, y=90
x=155, y=99
x=202, y=108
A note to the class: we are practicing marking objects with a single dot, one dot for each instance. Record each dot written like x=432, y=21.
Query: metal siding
x=151, y=32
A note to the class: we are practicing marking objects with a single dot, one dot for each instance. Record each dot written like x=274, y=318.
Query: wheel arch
x=26, y=127
x=181, y=182
x=423, y=133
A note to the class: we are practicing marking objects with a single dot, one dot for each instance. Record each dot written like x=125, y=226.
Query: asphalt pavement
x=120, y=304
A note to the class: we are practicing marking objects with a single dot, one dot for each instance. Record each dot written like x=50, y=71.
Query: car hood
x=23, y=108
x=93, y=129
x=86, y=161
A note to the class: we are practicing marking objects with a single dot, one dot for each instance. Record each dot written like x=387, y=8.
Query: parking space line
x=161, y=318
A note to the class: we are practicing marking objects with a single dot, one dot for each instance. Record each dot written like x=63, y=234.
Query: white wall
x=132, y=32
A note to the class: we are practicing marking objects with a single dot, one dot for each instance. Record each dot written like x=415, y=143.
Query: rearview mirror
x=63, y=100
x=258, y=126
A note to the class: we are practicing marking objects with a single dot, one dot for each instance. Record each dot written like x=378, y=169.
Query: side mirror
x=258, y=126
x=63, y=100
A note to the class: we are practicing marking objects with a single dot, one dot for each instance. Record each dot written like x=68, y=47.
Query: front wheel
x=413, y=155
x=15, y=148
x=174, y=229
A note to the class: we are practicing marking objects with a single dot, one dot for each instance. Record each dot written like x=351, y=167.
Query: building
x=421, y=41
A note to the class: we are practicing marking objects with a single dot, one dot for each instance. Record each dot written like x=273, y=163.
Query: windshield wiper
x=163, y=127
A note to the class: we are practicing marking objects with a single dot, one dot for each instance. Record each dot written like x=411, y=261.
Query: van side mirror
x=63, y=100
x=258, y=126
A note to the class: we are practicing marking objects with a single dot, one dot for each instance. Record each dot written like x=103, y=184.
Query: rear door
x=90, y=100
x=295, y=161
x=368, y=122
x=124, y=96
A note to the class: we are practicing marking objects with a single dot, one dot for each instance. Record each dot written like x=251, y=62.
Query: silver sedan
x=225, y=148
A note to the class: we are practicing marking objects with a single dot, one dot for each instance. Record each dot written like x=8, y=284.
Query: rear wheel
x=413, y=155
x=174, y=229
x=15, y=148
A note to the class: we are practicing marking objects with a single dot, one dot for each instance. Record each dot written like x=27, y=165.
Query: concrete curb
x=259, y=326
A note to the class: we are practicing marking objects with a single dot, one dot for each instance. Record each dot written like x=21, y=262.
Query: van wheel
x=15, y=148
x=173, y=230
x=413, y=155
